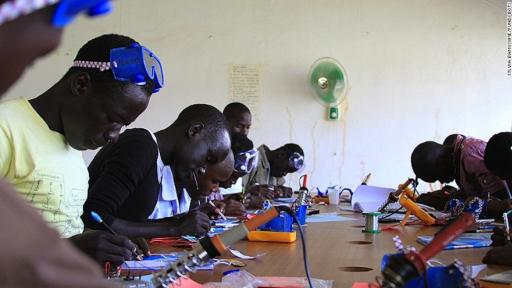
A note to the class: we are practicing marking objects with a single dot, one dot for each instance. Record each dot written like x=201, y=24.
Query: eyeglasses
x=246, y=161
x=65, y=12
x=135, y=64
x=296, y=161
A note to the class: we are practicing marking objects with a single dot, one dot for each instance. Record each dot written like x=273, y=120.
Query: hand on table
x=499, y=255
x=254, y=202
x=283, y=192
x=499, y=237
x=195, y=222
x=496, y=207
x=142, y=246
x=213, y=211
x=233, y=208
x=104, y=247
x=264, y=190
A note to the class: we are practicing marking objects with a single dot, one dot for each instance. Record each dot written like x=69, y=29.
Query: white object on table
x=368, y=198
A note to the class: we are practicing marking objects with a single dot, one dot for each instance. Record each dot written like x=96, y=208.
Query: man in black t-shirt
x=132, y=179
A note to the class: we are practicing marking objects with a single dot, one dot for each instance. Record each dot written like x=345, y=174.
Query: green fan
x=328, y=82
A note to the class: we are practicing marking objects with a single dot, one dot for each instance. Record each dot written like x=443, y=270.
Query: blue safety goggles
x=246, y=161
x=296, y=162
x=135, y=64
x=65, y=11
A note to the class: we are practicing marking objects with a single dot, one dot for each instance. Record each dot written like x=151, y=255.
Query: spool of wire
x=371, y=222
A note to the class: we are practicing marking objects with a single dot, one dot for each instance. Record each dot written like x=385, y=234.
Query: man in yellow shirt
x=47, y=171
x=27, y=243
x=41, y=139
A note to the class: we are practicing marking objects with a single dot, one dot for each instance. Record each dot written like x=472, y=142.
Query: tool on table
x=210, y=247
x=395, y=196
x=402, y=268
x=413, y=208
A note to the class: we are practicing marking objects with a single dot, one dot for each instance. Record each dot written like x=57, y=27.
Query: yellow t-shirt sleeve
x=6, y=150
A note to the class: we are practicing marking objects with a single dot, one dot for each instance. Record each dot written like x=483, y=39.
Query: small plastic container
x=271, y=236
x=283, y=223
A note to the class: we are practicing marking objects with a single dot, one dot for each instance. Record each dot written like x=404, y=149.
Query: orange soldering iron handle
x=410, y=193
x=261, y=219
x=416, y=210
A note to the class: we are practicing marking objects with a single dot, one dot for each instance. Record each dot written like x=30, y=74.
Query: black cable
x=304, y=254
x=391, y=213
x=415, y=184
x=414, y=192
x=425, y=278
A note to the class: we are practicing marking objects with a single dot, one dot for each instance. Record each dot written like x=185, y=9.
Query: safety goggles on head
x=135, y=64
x=296, y=161
x=65, y=11
x=246, y=161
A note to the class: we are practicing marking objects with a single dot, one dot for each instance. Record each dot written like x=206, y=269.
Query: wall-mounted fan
x=328, y=82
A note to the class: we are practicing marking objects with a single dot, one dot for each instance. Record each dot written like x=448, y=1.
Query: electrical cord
x=414, y=192
x=292, y=213
x=304, y=252
x=391, y=213
x=425, y=280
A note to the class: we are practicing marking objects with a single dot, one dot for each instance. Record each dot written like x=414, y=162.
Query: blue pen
x=96, y=217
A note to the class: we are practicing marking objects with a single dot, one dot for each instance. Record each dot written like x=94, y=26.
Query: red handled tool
x=402, y=268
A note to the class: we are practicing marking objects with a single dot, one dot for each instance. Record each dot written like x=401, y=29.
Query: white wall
x=418, y=70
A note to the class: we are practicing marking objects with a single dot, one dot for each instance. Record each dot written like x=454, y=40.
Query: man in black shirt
x=239, y=118
x=498, y=159
x=145, y=174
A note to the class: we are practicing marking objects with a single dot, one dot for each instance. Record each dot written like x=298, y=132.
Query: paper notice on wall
x=245, y=86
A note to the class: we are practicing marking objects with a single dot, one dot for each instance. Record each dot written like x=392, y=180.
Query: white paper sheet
x=368, y=198
x=243, y=256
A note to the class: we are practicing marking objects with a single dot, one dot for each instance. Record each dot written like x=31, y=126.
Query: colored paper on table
x=219, y=226
x=228, y=223
x=158, y=262
x=327, y=217
x=291, y=282
x=186, y=283
x=216, y=231
x=171, y=241
x=365, y=285
x=465, y=240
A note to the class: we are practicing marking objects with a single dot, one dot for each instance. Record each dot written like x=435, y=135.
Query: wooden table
x=331, y=248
